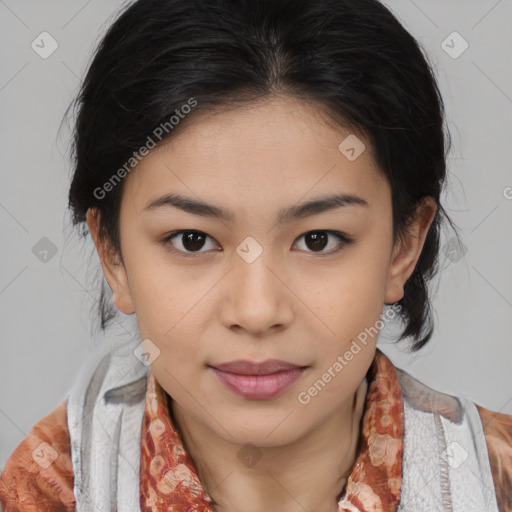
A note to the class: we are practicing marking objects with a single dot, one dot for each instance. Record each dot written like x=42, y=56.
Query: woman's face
x=256, y=285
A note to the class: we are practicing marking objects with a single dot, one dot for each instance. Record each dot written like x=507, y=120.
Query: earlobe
x=113, y=269
x=407, y=251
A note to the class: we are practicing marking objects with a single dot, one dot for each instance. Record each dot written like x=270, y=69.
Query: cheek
x=356, y=286
x=170, y=313
x=158, y=290
x=351, y=302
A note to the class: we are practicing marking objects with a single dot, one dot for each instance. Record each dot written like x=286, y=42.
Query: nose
x=256, y=297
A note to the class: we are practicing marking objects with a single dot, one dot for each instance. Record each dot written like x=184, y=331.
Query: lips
x=244, y=367
x=257, y=380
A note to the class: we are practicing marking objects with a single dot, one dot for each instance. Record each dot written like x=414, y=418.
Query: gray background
x=46, y=300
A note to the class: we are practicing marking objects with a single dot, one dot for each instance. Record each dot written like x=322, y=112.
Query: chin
x=256, y=431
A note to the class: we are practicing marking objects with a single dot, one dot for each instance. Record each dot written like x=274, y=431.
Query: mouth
x=258, y=381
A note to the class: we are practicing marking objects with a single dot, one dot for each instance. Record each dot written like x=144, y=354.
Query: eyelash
x=343, y=238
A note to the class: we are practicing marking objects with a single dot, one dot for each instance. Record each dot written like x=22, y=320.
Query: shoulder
x=498, y=435
x=496, y=427
x=39, y=475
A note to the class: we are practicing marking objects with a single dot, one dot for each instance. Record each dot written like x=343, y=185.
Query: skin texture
x=297, y=302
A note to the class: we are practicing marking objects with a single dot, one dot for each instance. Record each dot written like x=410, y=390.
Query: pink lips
x=257, y=380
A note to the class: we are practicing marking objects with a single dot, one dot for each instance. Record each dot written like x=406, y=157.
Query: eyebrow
x=300, y=211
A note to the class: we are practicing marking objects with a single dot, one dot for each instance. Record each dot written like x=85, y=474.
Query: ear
x=407, y=250
x=112, y=266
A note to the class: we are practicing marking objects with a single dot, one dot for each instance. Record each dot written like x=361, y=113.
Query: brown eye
x=317, y=241
x=187, y=241
x=192, y=241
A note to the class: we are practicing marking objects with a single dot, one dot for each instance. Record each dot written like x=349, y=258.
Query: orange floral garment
x=169, y=479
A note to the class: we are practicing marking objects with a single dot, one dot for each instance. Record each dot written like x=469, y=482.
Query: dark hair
x=351, y=57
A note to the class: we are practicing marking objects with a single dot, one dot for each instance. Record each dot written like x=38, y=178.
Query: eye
x=192, y=241
x=187, y=241
x=318, y=240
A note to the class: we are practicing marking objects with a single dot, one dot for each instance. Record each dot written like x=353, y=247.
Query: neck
x=308, y=474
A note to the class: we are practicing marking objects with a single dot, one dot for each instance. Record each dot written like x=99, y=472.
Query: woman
x=262, y=182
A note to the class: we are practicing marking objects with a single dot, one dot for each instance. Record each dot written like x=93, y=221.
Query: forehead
x=260, y=155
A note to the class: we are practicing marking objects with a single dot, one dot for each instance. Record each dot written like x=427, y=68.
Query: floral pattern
x=169, y=480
